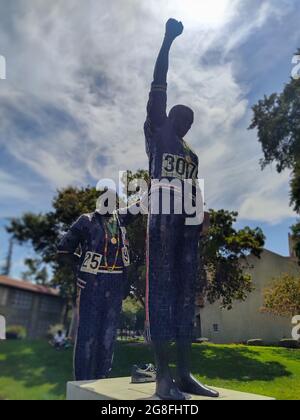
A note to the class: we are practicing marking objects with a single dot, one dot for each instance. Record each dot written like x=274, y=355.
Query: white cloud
x=78, y=76
x=267, y=200
x=12, y=188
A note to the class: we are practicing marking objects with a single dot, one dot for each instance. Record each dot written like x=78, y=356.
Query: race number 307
x=178, y=167
x=92, y=263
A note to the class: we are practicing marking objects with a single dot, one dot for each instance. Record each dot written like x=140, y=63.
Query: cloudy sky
x=78, y=75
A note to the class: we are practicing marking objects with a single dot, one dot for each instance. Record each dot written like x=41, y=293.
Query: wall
x=245, y=321
x=34, y=311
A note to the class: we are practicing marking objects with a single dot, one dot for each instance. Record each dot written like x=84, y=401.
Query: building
x=246, y=321
x=31, y=306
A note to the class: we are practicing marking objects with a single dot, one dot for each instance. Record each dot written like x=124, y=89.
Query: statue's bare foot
x=190, y=385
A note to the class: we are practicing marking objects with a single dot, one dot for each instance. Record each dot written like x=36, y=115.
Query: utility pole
x=8, y=264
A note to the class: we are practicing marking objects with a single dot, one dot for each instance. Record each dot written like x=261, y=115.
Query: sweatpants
x=99, y=306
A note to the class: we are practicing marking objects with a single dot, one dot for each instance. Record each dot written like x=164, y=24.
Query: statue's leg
x=185, y=380
x=166, y=389
x=78, y=370
x=186, y=289
x=160, y=298
x=100, y=307
x=108, y=321
x=86, y=343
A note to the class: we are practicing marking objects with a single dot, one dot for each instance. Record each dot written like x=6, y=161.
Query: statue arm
x=68, y=245
x=157, y=104
x=162, y=63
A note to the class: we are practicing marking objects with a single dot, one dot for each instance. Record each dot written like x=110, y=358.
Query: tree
x=36, y=272
x=295, y=188
x=224, y=259
x=137, y=233
x=296, y=236
x=277, y=120
x=133, y=315
x=5, y=271
x=283, y=297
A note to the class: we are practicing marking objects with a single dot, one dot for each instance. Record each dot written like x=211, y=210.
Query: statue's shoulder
x=88, y=217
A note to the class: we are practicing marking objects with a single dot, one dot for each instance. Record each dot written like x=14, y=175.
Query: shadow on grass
x=236, y=363
x=226, y=363
x=36, y=364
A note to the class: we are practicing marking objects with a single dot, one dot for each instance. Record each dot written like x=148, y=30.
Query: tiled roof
x=30, y=287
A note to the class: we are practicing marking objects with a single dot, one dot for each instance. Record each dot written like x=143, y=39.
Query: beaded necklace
x=114, y=240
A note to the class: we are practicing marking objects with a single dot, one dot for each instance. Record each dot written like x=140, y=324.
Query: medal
x=111, y=229
x=114, y=241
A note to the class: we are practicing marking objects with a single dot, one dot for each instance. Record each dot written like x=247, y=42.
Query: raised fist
x=174, y=28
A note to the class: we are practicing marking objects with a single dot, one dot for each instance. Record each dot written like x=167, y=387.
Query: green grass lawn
x=34, y=371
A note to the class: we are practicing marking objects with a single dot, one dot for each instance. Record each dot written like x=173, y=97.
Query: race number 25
x=91, y=263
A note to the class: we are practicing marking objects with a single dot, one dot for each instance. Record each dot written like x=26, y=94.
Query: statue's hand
x=174, y=28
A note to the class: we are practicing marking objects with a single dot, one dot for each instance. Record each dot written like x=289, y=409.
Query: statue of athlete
x=172, y=244
x=101, y=274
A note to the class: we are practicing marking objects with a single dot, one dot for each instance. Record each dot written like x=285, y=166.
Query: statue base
x=123, y=390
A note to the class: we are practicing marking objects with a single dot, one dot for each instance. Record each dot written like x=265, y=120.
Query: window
x=3, y=296
x=22, y=300
x=216, y=328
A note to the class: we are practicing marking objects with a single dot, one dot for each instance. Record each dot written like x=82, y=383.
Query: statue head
x=182, y=119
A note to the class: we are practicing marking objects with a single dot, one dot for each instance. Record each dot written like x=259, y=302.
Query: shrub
x=255, y=342
x=132, y=316
x=289, y=343
x=16, y=332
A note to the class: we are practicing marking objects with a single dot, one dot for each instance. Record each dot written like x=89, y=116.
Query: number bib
x=125, y=256
x=92, y=263
x=125, y=250
x=174, y=166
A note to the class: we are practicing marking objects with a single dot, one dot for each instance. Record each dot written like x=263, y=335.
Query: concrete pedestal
x=121, y=389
